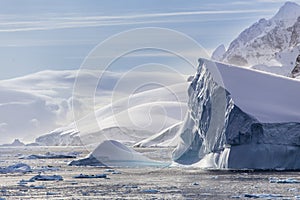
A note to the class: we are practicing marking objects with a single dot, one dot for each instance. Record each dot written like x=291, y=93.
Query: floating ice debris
x=50, y=193
x=150, y=191
x=130, y=186
x=112, y=171
x=37, y=186
x=72, y=182
x=91, y=176
x=263, y=196
x=17, y=168
x=109, y=170
x=196, y=183
x=50, y=155
x=46, y=178
x=288, y=180
x=46, y=168
x=293, y=190
x=23, y=182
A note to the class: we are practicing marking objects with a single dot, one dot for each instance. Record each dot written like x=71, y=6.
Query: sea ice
x=46, y=178
x=288, y=180
x=50, y=155
x=17, y=168
x=91, y=176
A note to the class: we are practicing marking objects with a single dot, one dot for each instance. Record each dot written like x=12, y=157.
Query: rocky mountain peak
x=289, y=11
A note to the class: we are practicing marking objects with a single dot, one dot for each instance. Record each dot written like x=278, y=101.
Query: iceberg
x=223, y=130
x=46, y=178
x=90, y=176
x=16, y=168
x=111, y=153
x=50, y=155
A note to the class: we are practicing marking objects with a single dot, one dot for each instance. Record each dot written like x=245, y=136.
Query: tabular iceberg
x=217, y=133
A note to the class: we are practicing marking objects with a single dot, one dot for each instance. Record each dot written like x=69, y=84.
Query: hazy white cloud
x=65, y=22
x=271, y=1
x=3, y=127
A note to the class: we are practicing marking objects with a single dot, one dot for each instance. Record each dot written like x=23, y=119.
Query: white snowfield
x=165, y=138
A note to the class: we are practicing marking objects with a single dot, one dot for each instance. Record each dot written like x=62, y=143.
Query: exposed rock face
x=296, y=70
x=218, y=134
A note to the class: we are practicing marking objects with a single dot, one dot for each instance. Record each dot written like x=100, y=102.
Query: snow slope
x=269, y=44
x=251, y=121
x=165, y=138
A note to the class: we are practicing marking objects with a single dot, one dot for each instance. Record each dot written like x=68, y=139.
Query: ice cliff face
x=218, y=134
x=267, y=42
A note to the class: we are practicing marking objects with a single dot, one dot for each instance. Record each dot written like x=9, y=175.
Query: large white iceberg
x=252, y=124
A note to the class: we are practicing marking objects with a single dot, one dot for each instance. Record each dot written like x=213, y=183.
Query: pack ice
x=240, y=119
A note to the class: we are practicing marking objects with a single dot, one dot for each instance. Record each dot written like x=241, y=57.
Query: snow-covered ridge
x=217, y=133
x=268, y=43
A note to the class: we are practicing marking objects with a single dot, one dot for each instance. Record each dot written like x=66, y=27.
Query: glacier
x=220, y=131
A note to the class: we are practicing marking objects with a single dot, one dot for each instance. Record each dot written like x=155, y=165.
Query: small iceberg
x=263, y=196
x=287, y=181
x=37, y=186
x=49, y=155
x=150, y=191
x=111, y=153
x=46, y=178
x=17, y=168
x=91, y=176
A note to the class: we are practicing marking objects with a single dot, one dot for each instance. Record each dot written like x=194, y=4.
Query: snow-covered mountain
x=128, y=120
x=269, y=45
x=240, y=118
x=43, y=103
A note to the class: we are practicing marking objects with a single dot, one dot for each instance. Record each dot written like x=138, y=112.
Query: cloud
x=18, y=24
x=3, y=127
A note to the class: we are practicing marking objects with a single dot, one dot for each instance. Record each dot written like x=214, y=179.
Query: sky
x=37, y=35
